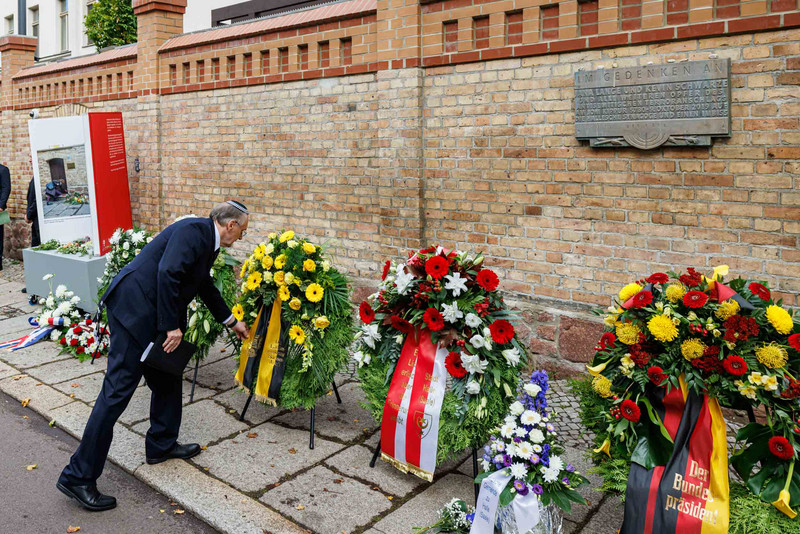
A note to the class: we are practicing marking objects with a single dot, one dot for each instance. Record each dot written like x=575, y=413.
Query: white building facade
x=59, y=24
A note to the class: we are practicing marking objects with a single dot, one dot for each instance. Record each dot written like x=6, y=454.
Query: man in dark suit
x=32, y=214
x=5, y=191
x=151, y=295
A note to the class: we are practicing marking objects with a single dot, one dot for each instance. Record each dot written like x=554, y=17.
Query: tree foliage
x=111, y=23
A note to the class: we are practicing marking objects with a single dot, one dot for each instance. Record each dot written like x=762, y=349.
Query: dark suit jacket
x=152, y=292
x=31, y=212
x=5, y=186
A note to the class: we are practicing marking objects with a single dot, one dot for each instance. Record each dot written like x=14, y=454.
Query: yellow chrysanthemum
x=322, y=322
x=772, y=356
x=675, y=292
x=314, y=292
x=629, y=291
x=243, y=271
x=662, y=328
x=309, y=266
x=254, y=280
x=295, y=304
x=727, y=309
x=779, y=319
x=692, y=348
x=308, y=248
x=280, y=261
x=238, y=312
x=286, y=236
x=297, y=281
x=266, y=262
x=258, y=253
x=602, y=386
x=628, y=333
x=279, y=277
x=297, y=334
x=283, y=293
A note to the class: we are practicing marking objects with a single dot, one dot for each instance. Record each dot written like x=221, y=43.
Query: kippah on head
x=238, y=205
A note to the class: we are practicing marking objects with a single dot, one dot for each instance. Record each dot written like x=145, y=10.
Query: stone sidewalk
x=259, y=476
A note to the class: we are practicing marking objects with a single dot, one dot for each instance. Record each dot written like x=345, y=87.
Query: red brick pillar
x=17, y=53
x=157, y=21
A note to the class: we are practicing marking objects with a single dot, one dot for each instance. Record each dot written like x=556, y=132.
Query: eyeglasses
x=244, y=232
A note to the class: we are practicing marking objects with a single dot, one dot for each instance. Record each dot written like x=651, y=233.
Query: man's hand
x=173, y=340
x=241, y=330
x=27, y=220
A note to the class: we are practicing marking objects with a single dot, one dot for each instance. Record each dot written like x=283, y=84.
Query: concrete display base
x=78, y=273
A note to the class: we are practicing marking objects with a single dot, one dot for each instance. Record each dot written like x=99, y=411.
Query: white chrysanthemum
x=512, y=449
x=362, y=358
x=507, y=430
x=521, y=432
x=473, y=363
x=54, y=335
x=371, y=334
x=510, y=420
x=556, y=463
x=456, y=284
x=524, y=450
x=473, y=388
x=536, y=435
x=115, y=237
x=137, y=237
x=477, y=341
x=403, y=281
x=48, y=276
x=512, y=356
x=485, y=465
x=62, y=309
x=472, y=320
x=451, y=313
x=529, y=417
x=550, y=474
x=532, y=389
x=516, y=408
x=61, y=290
x=50, y=302
x=519, y=471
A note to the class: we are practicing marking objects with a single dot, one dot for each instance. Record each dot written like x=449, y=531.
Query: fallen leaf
x=203, y=447
x=222, y=350
x=162, y=510
x=76, y=385
x=244, y=500
x=18, y=377
x=338, y=480
x=389, y=497
x=272, y=465
x=231, y=411
x=355, y=420
x=71, y=529
x=300, y=507
x=25, y=417
x=292, y=451
x=71, y=395
x=25, y=402
x=206, y=468
x=38, y=383
x=52, y=423
x=173, y=504
x=178, y=511
x=252, y=434
x=31, y=467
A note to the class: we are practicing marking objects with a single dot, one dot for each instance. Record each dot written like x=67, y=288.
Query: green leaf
x=652, y=448
x=506, y=496
x=655, y=419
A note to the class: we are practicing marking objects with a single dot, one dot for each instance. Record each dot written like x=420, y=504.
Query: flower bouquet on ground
x=445, y=304
x=300, y=317
x=455, y=518
x=202, y=329
x=523, y=465
x=80, y=339
x=676, y=347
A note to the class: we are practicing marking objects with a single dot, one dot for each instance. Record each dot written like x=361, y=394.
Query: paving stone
x=43, y=398
x=53, y=373
x=354, y=461
x=219, y=505
x=7, y=370
x=10, y=292
x=608, y=517
x=72, y=417
x=347, y=421
x=217, y=375
x=423, y=509
x=38, y=354
x=203, y=422
x=87, y=389
x=327, y=505
x=252, y=464
x=257, y=412
x=15, y=324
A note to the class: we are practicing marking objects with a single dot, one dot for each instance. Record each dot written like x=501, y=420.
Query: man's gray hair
x=227, y=211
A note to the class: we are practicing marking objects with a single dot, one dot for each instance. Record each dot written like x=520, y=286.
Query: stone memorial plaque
x=684, y=103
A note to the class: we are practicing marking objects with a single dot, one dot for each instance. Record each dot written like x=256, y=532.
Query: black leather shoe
x=88, y=496
x=190, y=450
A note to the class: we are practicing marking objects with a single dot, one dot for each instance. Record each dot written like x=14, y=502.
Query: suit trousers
x=123, y=375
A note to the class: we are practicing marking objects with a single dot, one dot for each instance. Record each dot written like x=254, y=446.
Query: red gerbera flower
x=454, y=366
x=794, y=342
x=658, y=278
x=400, y=324
x=735, y=365
x=656, y=375
x=502, y=331
x=630, y=411
x=780, y=447
x=433, y=319
x=437, y=267
x=759, y=290
x=366, y=312
x=695, y=299
x=487, y=279
x=642, y=299
x=73, y=342
x=386, y=267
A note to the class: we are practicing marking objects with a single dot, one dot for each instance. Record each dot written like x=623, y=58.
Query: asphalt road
x=31, y=504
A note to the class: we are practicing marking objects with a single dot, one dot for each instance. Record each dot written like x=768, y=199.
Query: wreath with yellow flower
x=732, y=342
x=315, y=305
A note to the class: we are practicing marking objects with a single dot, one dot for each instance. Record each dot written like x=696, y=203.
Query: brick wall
x=379, y=127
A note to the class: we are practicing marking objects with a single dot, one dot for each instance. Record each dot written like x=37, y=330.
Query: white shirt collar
x=216, y=237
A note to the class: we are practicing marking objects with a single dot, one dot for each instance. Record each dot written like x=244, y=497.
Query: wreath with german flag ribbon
x=300, y=317
x=437, y=335
x=674, y=341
